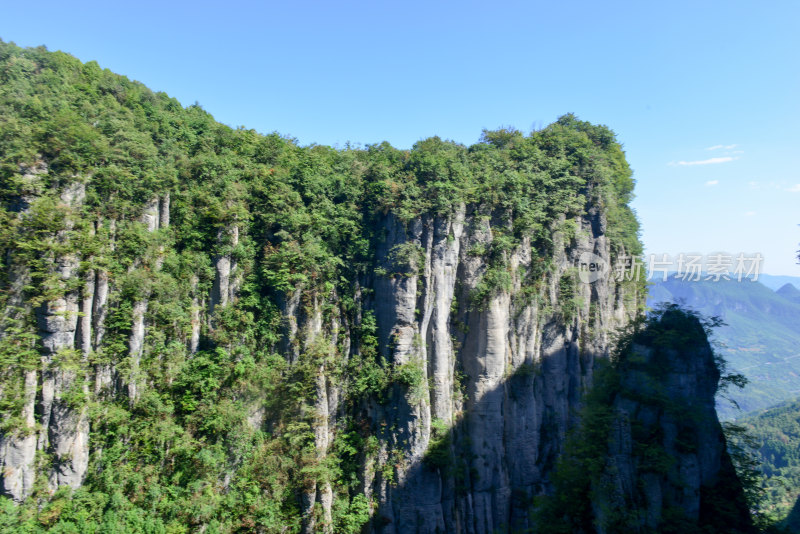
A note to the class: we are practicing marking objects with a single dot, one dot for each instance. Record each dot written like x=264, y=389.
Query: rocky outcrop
x=502, y=369
x=18, y=450
x=71, y=329
x=666, y=461
x=225, y=279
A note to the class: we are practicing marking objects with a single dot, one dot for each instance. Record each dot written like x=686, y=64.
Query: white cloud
x=712, y=182
x=722, y=147
x=709, y=161
x=749, y=213
x=794, y=189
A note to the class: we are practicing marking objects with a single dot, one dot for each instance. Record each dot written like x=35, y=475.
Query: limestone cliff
x=504, y=377
x=501, y=372
x=207, y=329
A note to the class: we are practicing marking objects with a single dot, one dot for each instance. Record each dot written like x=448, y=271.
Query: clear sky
x=703, y=95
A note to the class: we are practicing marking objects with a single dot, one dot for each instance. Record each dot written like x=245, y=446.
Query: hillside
x=777, y=434
x=760, y=338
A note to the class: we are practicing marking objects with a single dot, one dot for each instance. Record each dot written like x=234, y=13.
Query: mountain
x=789, y=292
x=760, y=338
x=208, y=329
x=774, y=282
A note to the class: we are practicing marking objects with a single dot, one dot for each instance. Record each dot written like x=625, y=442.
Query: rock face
x=481, y=336
x=70, y=328
x=666, y=462
x=497, y=375
x=63, y=428
x=506, y=373
x=502, y=368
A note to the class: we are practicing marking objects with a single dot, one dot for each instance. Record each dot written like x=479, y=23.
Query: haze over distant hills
x=775, y=282
x=760, y=338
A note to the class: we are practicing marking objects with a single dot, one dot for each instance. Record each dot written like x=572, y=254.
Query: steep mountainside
x=208, y=329
x=760, y=338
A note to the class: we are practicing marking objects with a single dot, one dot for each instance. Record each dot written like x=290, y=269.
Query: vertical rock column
x=18, y=447
x=415, y=259
x=64, y=423
x=324, y=400
x=194, y=339
x=156, y=216
x=102, y=379
x=18, y=451
x=443, y=269
x=225, y=280
x=69, y=423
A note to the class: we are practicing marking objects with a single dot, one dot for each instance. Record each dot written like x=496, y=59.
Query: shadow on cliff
x=481, y=473
x=660, y=461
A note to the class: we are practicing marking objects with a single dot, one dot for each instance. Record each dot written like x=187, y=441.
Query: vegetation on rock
x=203, y=402
x=648, y=430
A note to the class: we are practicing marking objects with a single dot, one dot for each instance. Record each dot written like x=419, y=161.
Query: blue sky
x=703, y=95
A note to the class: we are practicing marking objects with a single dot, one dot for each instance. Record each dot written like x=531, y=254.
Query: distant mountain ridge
x=789, y=292
x=760, y=338
x=775, y=282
